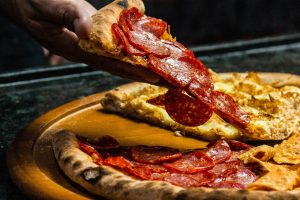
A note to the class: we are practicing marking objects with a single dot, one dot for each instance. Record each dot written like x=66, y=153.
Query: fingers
x=75, y=15
x=65, y=43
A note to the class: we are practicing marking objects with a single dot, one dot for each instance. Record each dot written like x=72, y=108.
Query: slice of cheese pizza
x=271, y=100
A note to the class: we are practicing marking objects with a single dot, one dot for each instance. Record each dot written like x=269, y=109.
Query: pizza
x=228, y=169
x=122, y=31
x=225, y=109
x=272, y=107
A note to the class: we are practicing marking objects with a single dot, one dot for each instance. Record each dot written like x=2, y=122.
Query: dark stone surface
x=19, y=105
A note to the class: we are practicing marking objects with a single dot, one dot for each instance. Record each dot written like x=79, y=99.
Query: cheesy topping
x=274, y=112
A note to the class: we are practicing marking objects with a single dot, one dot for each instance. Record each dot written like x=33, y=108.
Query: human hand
x=58, y=25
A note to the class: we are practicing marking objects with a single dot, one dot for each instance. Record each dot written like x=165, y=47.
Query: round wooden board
x=30, y=158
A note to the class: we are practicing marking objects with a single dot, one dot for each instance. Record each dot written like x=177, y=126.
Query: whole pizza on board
x=224, y=109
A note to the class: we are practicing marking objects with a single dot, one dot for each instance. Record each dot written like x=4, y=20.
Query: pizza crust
x=112, y=184
x=101, y=41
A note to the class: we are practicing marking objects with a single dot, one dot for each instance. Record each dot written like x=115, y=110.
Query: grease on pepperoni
x=219, y=151
x=157, y=101
x=91, y=151
x=149, y=43
x=125, y=45
x=190, y=163
x=185, y=109
x=154, y=155
x=190, y=180
x=229, y=110
x=237, y=145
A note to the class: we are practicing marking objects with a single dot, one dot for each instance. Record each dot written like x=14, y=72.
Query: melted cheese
x=274, y=113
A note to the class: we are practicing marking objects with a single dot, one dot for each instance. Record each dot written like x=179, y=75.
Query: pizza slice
x=106, y=168
x=122, y=31
x=274, y=111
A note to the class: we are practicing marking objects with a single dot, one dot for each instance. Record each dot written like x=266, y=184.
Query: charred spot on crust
x=93, y=175
x=76, y=165
x=123, y=3
x=67, y=159
x=120, y=185
x=59, y=155
x=181, y=196
x=126, y=193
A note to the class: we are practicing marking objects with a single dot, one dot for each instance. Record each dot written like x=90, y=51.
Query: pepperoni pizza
x=198, y=102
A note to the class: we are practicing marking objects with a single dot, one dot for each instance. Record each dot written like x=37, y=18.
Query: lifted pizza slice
x=122, y=31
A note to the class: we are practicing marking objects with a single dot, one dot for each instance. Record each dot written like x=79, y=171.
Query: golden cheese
x=289, y=150
x=274, y=112
x=280, y=179
x=262, y=152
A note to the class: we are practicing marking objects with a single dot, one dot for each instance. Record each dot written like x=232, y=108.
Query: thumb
x=75, y=15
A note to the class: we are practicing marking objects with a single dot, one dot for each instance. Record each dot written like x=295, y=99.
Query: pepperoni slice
x=154, y=155
x=91, y=151
x=190, y=180
x=118, y=161
x=219, y=152
x=147, y=171
x=125, y=45
x=123, y=21
x=229, y=110
x=148, y=24
x=175, y=72
x=237, y=145
x=157, y=101
x=105, y=143
x=190, y=163
x=149, y=43
x=197, y=89
x=186, y=110
x=180, y=72
x=241, y=176
x=221, y=168
x=177, y=49
x=234, y=156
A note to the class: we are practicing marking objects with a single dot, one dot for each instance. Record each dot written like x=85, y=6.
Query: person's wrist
x=9, y=9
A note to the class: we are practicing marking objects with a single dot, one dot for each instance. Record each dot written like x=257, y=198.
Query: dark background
x=193, y=22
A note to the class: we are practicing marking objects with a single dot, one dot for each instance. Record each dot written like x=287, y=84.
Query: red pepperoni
x=186, y=110
x=199, y=91
x=229, y=110
x=154, y=155
x=147, y=171
x=171, y=69
x=125, y=45
x=148, y=24
x=221, y=168
x=118, y=161
x=149, y=43
x=234, y=156
x=157, y=101
x=91, y=151
x=123, y=22
x=241, y=176
x=190, y=163
x=237, y=145
x=219, y=152
x=178, y=50
x=105, y=143
x=189, y=180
